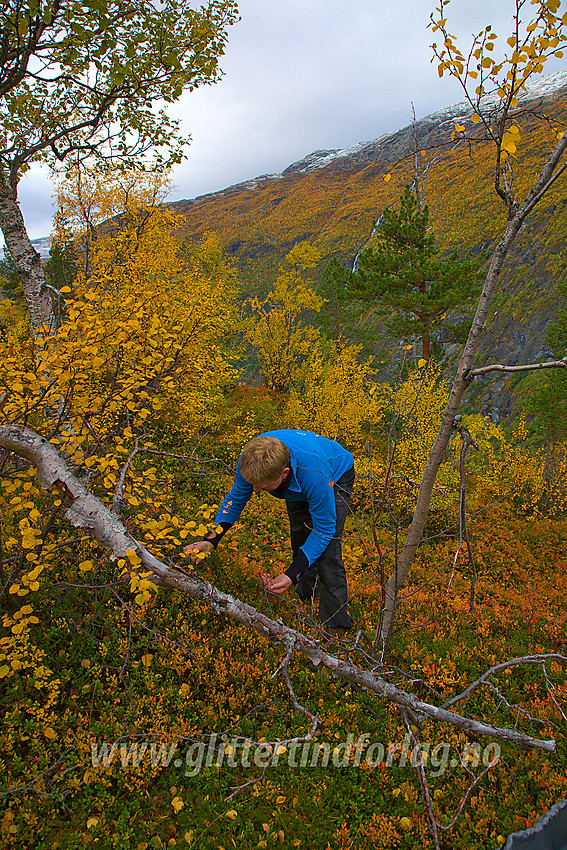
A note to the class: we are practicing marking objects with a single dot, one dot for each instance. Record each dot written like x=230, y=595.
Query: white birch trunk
x=26, y=259
x=86, y=511
x=415, y=533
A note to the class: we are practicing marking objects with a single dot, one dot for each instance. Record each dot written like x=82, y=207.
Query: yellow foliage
x=144, y=335
x=414, y=410
x=503, y=466
x=411, y=415
x=282, y=340
x=88, y=199
x=337, y=399
x=143, y=343
x=12, y=318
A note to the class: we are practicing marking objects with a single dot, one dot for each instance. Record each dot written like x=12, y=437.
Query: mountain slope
x=332, y=199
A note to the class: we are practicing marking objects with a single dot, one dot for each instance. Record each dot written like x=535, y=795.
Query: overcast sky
x=302, y=75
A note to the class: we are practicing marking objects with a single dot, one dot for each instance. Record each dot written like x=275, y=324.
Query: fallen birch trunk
x=88, y=512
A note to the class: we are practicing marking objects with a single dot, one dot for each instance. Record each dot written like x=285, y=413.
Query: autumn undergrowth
x=99, y=668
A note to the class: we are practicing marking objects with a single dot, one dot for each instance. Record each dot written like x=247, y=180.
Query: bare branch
x=513, y=662
x=118, y=490
x=465, y=798
x=86, y=511
x=423, y=784
x=527, y=367
x=31, y=785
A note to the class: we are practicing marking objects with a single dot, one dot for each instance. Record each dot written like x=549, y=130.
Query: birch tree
x=493, y=86
x=81, y=80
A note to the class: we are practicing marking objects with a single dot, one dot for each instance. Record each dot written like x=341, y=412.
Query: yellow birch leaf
x=177, y=804
x=50, y=733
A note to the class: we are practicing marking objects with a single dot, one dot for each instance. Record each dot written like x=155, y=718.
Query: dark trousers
x=329, y=567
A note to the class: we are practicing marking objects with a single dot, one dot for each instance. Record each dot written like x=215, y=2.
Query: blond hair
x=263, y=459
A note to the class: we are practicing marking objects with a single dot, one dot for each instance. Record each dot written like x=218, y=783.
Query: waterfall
x=375, y=227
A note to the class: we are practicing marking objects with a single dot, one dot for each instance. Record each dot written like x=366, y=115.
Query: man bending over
x=315, y=476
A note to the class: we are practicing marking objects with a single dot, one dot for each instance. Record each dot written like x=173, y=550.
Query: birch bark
x=517, y=215
x=26, y=260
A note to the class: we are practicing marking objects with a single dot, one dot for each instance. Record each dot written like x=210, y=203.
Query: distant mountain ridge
x=42, y=246
x=544, y=87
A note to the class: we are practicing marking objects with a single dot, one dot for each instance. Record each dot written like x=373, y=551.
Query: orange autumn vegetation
x=82, y=666
x=144, y=370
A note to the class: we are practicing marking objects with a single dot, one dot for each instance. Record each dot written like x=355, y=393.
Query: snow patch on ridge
x=543, y=87
x=42, y=246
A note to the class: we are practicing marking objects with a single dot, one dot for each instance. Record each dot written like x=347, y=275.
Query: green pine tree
x=340, y=316
x=411, y=283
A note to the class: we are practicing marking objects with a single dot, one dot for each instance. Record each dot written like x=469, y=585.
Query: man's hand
x=197, y=552
x=279, y=584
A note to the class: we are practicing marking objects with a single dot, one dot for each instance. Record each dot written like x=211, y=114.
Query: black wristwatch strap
x=215, y=537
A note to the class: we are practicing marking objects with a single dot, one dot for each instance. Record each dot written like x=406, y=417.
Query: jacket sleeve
x=235, y=500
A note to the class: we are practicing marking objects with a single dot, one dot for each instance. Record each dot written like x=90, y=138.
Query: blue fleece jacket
x=316, y=464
